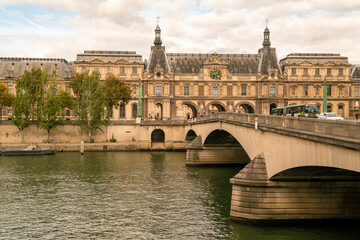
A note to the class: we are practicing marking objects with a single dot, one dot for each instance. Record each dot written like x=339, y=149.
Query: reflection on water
x=127, y=195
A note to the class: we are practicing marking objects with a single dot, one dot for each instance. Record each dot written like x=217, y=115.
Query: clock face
x=215, y=74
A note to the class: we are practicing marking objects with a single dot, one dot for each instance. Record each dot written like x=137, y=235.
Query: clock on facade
x=215, y=74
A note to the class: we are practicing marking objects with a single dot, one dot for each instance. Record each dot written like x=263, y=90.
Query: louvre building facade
x=190, y=85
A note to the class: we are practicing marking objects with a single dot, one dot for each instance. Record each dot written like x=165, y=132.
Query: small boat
x=30, y=150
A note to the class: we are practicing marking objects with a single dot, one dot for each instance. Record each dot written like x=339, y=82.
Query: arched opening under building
x=189, y=111
x=224, y=147
x=157, y=136
x=134, y=110
x=215, y=107
x=158, y=111
x=191, y=135
x=272, y=106
x=244, y=108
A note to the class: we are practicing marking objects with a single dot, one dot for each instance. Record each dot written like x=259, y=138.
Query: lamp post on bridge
x=325, y=96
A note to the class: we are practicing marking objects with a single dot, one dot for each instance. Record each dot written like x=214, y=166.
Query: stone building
x=12, y=68
x=305, y=74
x=189, y=85
x=127, y=65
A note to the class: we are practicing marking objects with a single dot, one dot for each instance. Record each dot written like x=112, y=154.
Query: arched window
x=134, y=110
x=122, y=110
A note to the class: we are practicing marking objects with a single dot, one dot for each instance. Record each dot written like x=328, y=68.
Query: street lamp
x=325, y=96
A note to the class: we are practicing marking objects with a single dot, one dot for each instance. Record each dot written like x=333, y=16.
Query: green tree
x=50, y=101
x=89, y=101
x=22, y=104
x=6, y=98
x=116, y=93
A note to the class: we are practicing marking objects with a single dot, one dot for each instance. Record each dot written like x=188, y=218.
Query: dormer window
x=158, y=74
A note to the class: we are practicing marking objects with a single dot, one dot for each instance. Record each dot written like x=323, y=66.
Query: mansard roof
x=158, y=59
x=268, y=60
x=15, y=67
x=108, y=56
x=193, y=62
x=314, y=58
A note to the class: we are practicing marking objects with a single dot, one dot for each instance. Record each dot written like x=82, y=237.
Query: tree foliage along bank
x=38, y=98
x=94, y=101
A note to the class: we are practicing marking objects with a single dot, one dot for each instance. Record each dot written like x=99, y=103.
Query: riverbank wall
x=119, y=135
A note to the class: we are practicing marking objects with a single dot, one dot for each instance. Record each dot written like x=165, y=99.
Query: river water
x=128, y=195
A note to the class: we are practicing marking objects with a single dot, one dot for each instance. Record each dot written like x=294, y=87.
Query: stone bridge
x=297, y=168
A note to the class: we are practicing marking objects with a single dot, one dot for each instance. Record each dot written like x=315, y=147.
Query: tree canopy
x=6, y=98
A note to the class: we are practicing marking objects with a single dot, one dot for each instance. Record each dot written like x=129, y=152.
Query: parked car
x=330, y=115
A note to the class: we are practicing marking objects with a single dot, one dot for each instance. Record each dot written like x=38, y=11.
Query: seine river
x=128, y=195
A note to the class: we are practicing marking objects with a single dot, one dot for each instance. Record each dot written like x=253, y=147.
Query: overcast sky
x=63, y=28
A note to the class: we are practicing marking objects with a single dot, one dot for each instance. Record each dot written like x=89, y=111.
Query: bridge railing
x=341, y=128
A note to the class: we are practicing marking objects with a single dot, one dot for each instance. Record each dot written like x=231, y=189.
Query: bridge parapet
x=340, y=128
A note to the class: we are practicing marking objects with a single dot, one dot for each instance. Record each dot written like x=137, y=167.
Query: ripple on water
x=121, y=195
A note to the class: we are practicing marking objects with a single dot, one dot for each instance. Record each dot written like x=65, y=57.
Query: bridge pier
x=255, y=197
x=197, y=154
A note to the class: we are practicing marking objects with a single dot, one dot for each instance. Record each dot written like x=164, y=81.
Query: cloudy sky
x=63, y=28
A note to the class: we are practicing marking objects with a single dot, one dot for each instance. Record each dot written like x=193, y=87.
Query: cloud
x=65, y=28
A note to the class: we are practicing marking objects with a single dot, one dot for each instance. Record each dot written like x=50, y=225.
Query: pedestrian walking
x=357, y=116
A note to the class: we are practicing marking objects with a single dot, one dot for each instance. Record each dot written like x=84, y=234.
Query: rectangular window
x=9, y=113
x=67, y=113
x=134, y=70
x=122, y=111
x=109, y=69
x=158, y=89
x=215, y=90
x=317, y=71
x=305, y=71
x=186, y=89
x=305, y=90
x=356, y=92
x=83, y=69
x=122, y=70
x=328, y=88
x=328, y=71
x=10, y=87
x=341, y=71
x=293, y=71
x=272, y=89
x=243, y=89
x=96, y=69
x=201, y=90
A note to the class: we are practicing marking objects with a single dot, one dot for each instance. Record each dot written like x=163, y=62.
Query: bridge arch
x=190, y=135
x=222, y=137
x=282, y=152
x=244, y=107
x=218, y=105
x=158, y=135
x=193, y=108
x=316, y=173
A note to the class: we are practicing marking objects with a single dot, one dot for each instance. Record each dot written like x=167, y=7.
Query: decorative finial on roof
x=266, y=22
x=157, y=40
x=157, y=20
x=266, y=42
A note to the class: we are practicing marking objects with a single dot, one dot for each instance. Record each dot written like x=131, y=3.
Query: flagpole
x=139, y=112
x=325, y=96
